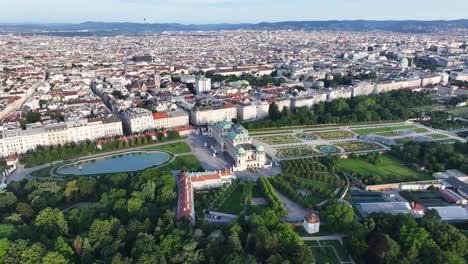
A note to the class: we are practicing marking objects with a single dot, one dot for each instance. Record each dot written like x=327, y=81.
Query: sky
x=225, y=11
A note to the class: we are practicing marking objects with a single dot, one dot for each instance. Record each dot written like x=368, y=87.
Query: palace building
x=236, y=142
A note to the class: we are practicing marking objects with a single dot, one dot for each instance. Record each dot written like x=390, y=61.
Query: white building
x=137, y=120
x=168, y=120
x=202, y=85
x=203, y=115
x=236, y=142
x=311, y=223
x=19, y=141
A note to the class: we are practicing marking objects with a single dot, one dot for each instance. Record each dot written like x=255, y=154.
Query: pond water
x=133, y=161
x=328, y=149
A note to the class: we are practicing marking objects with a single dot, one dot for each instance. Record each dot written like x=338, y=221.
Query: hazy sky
x=226, y=11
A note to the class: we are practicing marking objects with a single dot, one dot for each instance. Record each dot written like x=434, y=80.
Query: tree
x=51, y=222
x=71, y=190
x=33, y=254
x=4, y=246
x=339, y=216
x=62, y=247
x=273, y=112
x=104, y=238
x=7, y=201
x=33, y=117
x=54, y=258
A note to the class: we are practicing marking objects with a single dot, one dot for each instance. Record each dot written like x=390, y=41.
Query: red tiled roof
x=160, y=115
x=203, y=178
x=312, y=218
x=185, y=199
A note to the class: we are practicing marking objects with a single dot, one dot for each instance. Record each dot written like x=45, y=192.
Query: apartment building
x=18, y=140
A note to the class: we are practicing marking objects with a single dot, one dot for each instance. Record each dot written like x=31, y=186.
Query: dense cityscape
x=234, y=146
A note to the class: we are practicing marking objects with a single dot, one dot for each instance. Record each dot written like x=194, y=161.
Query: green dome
x=240, y=150
x=260, y=148
x=404, y=61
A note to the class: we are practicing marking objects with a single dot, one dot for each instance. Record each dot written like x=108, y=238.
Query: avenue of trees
x=270, y=195
x=395, y=105
x=130, y=218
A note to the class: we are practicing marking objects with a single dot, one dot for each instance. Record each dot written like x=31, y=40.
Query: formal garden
x=278, y=140
x=353, y=146
x=334, y=135
x=294, y=152
x=388, y=130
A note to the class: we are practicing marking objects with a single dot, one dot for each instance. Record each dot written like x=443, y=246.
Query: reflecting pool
x=126, y=162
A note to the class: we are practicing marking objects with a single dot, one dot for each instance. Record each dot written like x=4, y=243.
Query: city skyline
x=225, y=11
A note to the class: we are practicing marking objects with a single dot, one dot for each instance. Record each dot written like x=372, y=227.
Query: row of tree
x=270, y=195
x=395, y=105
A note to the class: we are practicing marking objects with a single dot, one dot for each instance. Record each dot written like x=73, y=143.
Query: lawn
x=333, y=135
x=389, y=170
x=279, y=140
x=358, y=146
x=420, y=130
x=324, y=255
x=233, y=204
x=387, y=134
x=189, y=162
x=342, y=252
x=437, y=136
x=374, y=130
x=45, y=172
x=176, y=148
x=294, y=152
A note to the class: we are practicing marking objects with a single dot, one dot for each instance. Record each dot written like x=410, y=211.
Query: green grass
x=233, y=204
x=389, y=169
x=332, y=135
x=279, y=140
x=342, y=252
x=45, y=172
x=437, y=136
x=189, y=162
x=420, y=130
x=387, y=134
x=324, y=255
x=374, y=130
x=176, y=148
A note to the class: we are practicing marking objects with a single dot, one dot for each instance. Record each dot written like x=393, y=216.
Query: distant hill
x=104, y=28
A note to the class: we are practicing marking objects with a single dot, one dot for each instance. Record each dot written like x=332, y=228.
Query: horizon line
x=230, y=23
